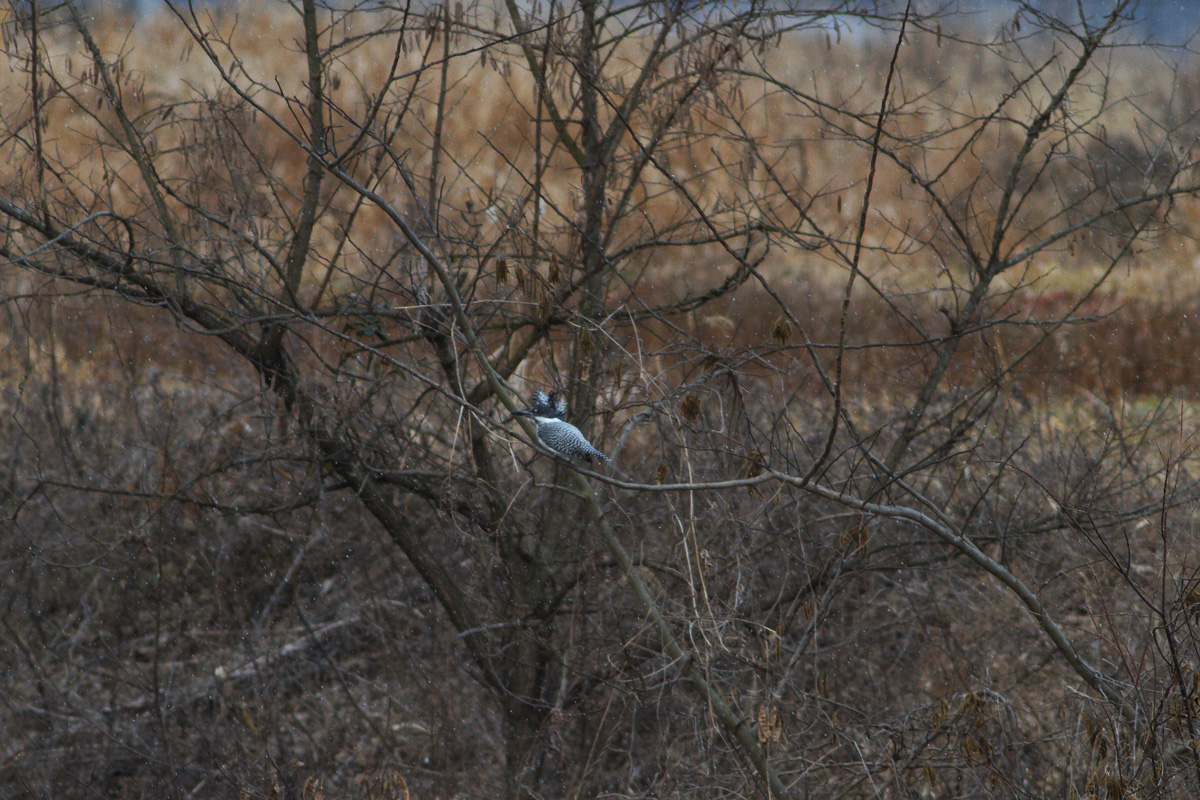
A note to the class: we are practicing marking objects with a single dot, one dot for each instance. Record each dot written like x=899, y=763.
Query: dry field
x=270, y=533
x=1138, y=319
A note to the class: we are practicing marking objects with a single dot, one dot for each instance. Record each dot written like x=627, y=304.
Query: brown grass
x=303, y=655
x=488, y=131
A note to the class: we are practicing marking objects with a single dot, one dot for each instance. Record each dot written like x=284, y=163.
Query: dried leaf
x=781, y=331
x=689, y=407
x=770, y=724
x=1191, y=601
x=389, y=785
x=940, y=714
x=618, y=371
x=856, y=538
x=809, y=609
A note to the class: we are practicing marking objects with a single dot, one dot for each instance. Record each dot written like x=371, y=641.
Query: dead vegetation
x=903, y=497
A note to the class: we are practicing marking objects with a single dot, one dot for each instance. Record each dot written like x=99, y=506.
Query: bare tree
x=811, y=277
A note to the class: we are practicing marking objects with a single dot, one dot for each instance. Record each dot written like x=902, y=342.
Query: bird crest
x=549, y=405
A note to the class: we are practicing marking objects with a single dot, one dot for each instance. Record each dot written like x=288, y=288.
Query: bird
x=549, y=413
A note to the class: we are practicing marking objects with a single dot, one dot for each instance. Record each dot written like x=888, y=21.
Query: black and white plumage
x=549, y=413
